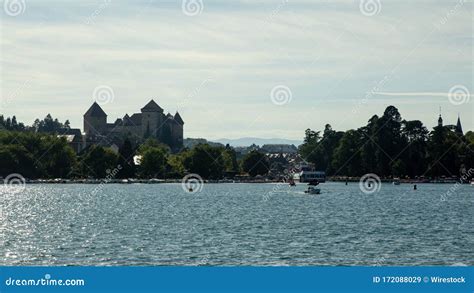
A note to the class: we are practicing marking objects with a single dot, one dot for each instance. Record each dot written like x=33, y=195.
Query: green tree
x=414, y=155
x=98, y=162
x=125, y=160
x=176, y=167
x=153, y=162
x=347, y=156
x=230, y=159
x=205, y=160
x=255, y=163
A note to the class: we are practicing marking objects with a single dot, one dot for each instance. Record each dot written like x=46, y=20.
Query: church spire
x=458, y=126
x=440, y=120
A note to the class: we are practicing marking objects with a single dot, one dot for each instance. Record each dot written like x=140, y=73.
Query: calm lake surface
x=237, y=224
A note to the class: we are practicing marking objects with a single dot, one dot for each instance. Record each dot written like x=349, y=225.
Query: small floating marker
x=414, y=187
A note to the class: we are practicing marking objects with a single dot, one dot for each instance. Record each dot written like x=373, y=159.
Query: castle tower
x=152, y=119
x=95, y=120
x=458, y=126
x=178, y=130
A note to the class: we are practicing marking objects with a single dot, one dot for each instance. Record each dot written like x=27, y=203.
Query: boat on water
x=472, y=182
x=312, y=190
x=308, y=174
x=396, y=181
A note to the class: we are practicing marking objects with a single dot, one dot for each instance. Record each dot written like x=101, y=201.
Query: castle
x=151, y=122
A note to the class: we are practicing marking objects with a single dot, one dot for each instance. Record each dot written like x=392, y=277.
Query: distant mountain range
x=246, y=141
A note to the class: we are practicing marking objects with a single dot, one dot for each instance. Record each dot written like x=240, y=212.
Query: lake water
x=237, y=224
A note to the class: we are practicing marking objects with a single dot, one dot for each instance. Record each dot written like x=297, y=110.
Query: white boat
x=313, y=190
x=472, y=182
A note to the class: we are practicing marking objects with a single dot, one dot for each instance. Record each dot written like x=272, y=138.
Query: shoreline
x=259, y=181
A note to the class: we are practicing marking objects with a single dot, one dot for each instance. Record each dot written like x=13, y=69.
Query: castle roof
x=178, y=118
x=136, y=119
x=152, y=106
x=95, y=111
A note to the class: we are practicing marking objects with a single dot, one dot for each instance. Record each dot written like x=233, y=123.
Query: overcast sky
x=268, y=68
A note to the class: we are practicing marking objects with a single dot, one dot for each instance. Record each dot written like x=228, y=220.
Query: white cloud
x=327, y=53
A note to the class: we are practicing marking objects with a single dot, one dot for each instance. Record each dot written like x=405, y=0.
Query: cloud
x=416, y=94
x=327, y=52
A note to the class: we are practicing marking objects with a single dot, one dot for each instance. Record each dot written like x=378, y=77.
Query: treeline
x=40, y=155
x=387, y=146
x=390, y=146
x=48, y=124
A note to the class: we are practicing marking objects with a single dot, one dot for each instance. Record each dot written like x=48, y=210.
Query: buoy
x=346, y=182
x=414, y=187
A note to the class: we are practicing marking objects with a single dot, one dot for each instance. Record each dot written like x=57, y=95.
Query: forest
x=388, y=146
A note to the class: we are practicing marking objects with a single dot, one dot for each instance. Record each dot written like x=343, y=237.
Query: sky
x=268, y=68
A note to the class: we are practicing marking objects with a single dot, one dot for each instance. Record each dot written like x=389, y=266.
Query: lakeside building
x=151, y=122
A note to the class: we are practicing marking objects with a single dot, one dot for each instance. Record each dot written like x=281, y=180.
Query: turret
x=152, y=119
x=95, y=120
